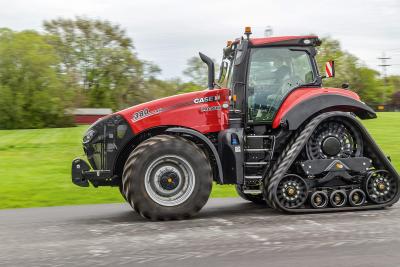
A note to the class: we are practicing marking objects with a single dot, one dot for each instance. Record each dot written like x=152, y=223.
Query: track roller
x=380, y=186
x=357, y=197
x=338, y=198
x=319, y=200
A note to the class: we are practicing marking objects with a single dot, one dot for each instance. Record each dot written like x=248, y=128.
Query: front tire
x=166, y=178
x=121, y=190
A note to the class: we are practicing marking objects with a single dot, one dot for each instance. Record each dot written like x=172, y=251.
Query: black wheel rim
x=291, y=191
x=357, y=197
x=338, y=198
x=381, y=187
x=334, y=138
x=319, y=200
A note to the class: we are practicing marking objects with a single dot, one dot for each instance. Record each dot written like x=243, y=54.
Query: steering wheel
x=290, y=83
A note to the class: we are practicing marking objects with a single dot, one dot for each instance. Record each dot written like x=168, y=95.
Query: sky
x=168, y=32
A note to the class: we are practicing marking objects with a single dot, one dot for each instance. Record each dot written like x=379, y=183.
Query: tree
x=349, y=69
x=396, y=99
x=31, y=94
x=197, y=71
x=394, y=80
x=99, y=61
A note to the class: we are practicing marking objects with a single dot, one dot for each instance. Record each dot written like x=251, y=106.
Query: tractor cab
x=261, y=72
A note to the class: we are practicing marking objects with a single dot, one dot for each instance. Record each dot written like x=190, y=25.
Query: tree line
x=82, y=62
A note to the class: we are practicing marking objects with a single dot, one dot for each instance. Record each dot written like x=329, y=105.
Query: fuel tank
x=205, y=111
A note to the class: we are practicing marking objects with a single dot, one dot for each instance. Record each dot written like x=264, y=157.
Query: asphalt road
x=227, y=232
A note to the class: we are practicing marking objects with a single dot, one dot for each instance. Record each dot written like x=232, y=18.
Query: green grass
x=386, y=132
x=35, y=170
x=35, y=165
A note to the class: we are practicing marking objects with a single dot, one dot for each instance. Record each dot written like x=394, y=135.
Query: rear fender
x=312, y=106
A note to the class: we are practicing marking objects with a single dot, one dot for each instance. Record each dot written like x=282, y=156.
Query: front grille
x=103, y=149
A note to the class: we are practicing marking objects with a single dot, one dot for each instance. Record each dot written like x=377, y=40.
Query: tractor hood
x=204, y=111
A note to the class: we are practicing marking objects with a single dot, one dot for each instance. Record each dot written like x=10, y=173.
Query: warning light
x=247, y=30
x=234, y=97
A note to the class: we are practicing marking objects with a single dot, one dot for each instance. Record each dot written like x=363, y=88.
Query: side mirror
x=222, y=71
x=330, y=69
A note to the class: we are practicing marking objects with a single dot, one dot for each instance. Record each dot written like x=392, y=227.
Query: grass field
x=35, y=165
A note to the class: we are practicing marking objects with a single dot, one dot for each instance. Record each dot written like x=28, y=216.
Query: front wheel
x=167, y=177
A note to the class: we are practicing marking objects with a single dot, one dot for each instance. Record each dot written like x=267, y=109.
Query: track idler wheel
x=381, y=187
x=319, y=200
x=338, y=198
x=292, y=191
x=357, y=198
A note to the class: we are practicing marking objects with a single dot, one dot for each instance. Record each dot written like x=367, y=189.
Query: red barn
x=89, y=115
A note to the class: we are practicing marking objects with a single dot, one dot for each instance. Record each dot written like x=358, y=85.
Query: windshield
x=273, y=73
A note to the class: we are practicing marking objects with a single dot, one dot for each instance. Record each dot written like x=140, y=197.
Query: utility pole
x=384, y=66
x=268, y=31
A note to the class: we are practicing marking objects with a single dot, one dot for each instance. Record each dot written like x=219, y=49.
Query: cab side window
x=273, y=73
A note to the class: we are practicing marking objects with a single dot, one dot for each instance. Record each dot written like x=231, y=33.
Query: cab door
x=273, y=72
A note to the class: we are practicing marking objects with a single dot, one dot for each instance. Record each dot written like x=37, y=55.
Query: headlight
x=103, y=139
x=89, y=136
x=121, y=130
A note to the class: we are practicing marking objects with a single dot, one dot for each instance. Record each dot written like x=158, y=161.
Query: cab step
x=256, y=163
x=253, y=177
x=257, y=149
x=252, y=191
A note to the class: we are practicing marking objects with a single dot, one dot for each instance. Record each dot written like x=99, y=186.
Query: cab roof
x=305, y=40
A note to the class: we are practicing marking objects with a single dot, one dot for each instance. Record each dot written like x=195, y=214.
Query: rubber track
x=295, y=146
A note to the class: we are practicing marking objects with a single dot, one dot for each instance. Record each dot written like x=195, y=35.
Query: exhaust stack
x=211, y=71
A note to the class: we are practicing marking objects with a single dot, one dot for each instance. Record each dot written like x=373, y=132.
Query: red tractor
x=266, y=126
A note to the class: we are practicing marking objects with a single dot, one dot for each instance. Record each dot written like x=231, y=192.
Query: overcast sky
x=168, y=32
